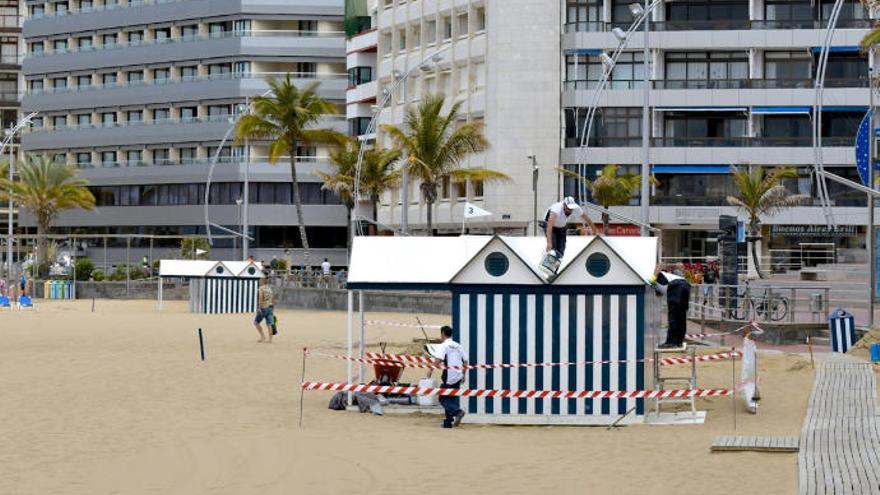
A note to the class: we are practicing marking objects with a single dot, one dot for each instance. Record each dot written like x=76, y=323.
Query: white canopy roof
x=204, y=268
x=437, y=260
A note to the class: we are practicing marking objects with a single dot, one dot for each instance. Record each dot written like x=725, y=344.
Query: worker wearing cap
x=556, y=219
x=678, y=294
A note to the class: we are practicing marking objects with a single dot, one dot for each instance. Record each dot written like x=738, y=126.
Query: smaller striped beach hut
x=215, y=287
x=507, y=311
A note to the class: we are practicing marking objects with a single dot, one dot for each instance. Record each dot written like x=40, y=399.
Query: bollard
x=93, y=304
x=201, y=345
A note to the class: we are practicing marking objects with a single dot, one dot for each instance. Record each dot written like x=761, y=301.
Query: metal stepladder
x=675, y=381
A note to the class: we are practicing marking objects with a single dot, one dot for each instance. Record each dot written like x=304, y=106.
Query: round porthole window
x=598, y=265
x=497, y=264
x=252, y=270
x=219, y=269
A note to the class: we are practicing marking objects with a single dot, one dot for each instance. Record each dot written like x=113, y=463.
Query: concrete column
x=756, y=10
x=657, y=67
x=606, y=10
x=756, y=65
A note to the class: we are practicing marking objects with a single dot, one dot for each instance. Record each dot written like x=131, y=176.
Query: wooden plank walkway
x=758, y=444
x=840, y=439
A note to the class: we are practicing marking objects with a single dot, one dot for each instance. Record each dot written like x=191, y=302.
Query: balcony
x=748, y=142
x=744, y=24
x=225, y=85
x=759, y=83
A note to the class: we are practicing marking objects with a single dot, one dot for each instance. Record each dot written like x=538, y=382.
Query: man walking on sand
x=265, y=303
x=454, y=359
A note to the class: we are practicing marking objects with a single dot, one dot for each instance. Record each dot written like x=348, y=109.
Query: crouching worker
x=454, y=360
x=678, y=295
x=556, y=221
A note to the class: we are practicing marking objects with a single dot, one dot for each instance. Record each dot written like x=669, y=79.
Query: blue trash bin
x=842, y=328
x=53, y=289
x=875, y=353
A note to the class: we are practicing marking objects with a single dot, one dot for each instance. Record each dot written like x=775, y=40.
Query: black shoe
x=458, y=417
x=667, y=345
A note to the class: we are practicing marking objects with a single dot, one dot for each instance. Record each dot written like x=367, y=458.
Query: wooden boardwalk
x=757, y=444
x=840, y=440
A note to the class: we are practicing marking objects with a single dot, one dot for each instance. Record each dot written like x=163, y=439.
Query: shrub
x=84, y=267
x=98, y=276
x=190, y=245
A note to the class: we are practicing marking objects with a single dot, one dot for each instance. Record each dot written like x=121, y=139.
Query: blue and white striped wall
x=527, y=324
x=842, y=327
x=212, y=295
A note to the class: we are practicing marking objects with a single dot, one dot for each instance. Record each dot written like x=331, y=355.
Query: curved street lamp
x=400, y=78
x=10, y=135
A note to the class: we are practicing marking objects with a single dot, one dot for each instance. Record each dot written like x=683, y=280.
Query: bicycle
x=766, y=305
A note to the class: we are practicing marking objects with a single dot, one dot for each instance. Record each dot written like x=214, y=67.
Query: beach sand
x=117, y=401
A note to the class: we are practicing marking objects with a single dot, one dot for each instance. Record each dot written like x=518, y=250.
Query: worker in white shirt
x=678, y=294
x=454, y=359
x=325, y=267
x=556, y=219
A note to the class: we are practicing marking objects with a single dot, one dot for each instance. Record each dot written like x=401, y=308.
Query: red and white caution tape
x=524, y=394
x=752, y=326
x=407, y=361
x=384, y=323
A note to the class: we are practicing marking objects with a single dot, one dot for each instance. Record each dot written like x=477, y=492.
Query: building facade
x=10, y=90
x=731, y=83
x=140, y=95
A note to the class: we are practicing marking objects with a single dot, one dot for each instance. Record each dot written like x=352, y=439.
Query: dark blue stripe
x=621, y=351
x=523, y=347
x=474, y=342
x=505, y=350
x=588, y=344
x=490, y=349
x=548, y=289
x=606, y=351
x=554, y=354
x=539, y=350
x=572, y=350
x=640, y=350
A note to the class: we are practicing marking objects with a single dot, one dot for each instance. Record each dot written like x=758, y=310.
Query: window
x=307, y=27
x=583, y=15
x=85, y=5
x=718, y=14
x=216, y=29
x=701, y=70
x=37, y=47
x=84, y=43
x=693, y=189
x=447, y=28
x=219, y=71
x=189, y=32
x=83, y=81
x=188, y=155
x=851, y=10
x=188, y=114
x=9, y=51
x=111, y=3
x=431, y=32
x=306, y=69
x=846, y=69
x=620, y=13
x=134, y=157
x=59, y=46
x=109, y=40
x=84, y=120
x=218, y=112
x=135, y=117
x=161, y=156
x=135, y=76
x=61, y=8
x=59, y=83
x=135, y=38
x=189, y=72
x=791, y=66
x=38, y=10
x=242, y=68
x=704, y=128
x=59, y=121
x=611, y=127
x=59, y=157
x=162, y=35
x=108, y=158
x=37, y=122
x=787, y=130
x=161, y=75
x=585, y=71
x=481, y=19
x=108, y=119
x=462, y=21
x=83, y=158
x=359, y=75
x=789, y=13
x=35, y=85
x=160, y=114
x=108, y=79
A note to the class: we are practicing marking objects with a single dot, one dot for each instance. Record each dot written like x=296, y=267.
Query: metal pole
x=870, y=239
x=246, y=197
x=362, y=345
x=127, y=265
x=11, y=234
x=350, y=338
x=404, y=193
x=535, y=173
x=646, y=125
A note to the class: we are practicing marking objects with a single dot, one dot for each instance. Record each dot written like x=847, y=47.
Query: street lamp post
x=10, y=135
x=239, y=202
x=535, y=173
x=646, y=125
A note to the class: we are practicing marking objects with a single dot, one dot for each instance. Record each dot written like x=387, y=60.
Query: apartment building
x=10, y=85
x=732, y=82
x=360, y=49
x=501, y=61
x=140, y=94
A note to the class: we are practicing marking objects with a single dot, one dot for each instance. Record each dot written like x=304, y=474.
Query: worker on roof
x=556, y=220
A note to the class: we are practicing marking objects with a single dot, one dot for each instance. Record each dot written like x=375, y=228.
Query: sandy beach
x=117, y=401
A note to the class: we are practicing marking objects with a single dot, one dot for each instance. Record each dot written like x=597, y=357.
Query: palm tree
x=286, y=118
x=610, y=188
x=437, y=145
x=46, y=188
x=378, y=175
x=762, y=193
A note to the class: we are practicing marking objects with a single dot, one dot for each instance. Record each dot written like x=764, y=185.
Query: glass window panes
x=59, y=46
x=188, y=155
x=108, y=119
x=109, y=40
x=35, y=84
x=108, y=157
x=59, y=82
x=135, y=116
x=83, y=158
x=84, y=42
x=134, y=157
x=83, y=81
x=108, y=79
x=161, y=113
x=796, y=65
x=135, y=76
x=189, y=72
x=59, y=121
x=161, y=156
x=37, y=47
x=135, y=37
x=188, y=114
x=84, y=120
x=161, y=74
x=189, y=32
x=585, y=15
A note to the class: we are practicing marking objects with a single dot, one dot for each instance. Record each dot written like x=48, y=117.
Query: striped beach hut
x=505, y=310
x=215, y=287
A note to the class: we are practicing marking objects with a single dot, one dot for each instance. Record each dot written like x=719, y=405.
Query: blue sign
x=863, y=148
x=740, y=232
x=877, y=261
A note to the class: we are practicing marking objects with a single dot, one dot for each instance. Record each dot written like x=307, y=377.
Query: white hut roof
x=437, y=260
x=203, y=268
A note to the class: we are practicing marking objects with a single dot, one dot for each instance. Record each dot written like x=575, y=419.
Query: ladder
x=675, y=381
